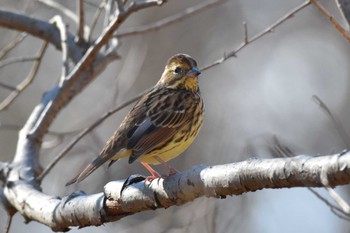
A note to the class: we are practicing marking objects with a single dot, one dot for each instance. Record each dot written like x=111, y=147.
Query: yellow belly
x=167, y=153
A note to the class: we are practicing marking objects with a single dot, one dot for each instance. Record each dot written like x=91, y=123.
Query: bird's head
x=181, y=72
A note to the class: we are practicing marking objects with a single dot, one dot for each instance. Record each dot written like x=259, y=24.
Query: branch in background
x=335, y=210
x=95, y=18
x=81, y=24
x=343, y=212
x=55, y=139
x=41, y=29
x=65, y=11
x=337, y=123
x=6, y=86
x=188, y=12
x=19, y=38
x=27, y=81
x=248, y=41
x=344, y=6
x=331, y=19
x=57, y=20
x=14, y=60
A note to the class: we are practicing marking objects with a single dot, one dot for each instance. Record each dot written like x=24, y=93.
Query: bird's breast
x=180, y=141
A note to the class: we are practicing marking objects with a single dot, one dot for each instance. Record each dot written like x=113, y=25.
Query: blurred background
x=265, y=91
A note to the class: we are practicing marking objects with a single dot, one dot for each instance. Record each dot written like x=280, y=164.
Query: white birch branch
x=217, y=181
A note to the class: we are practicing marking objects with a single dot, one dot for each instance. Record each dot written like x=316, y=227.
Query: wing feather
x=159, y=123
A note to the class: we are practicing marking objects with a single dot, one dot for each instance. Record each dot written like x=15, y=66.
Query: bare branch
x=13, y=60
x=344, y=210
x=245, y=40
x=339, y=200
x=344, y=7
x=171, y=19
x=8, y=223
x=65, y=11
x=6, y=86
x=41, y=29
x=81, y=21
x=336, y=210
x=331, y=19
x=211, y=181
x=258, y=36
x=27, y=81
x=337, y=123
x=19, y=38
x=95, y=18
x=57, y=20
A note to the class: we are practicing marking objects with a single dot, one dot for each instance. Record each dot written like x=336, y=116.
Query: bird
x=162, y=124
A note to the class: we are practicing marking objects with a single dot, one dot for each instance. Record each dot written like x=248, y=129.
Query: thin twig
x=339, y=200
x=57, y=20
x=8, y=223
x=109, y=11
x=64, y=10
x=335, y=209
x=245, y=32
x=120, y=5
x=344, y=210
x=52, y=133
x=344, y=8
x=170, y=20
x=332, y=20
x=95, y=18
x=6, y=86
x=13, y=60
x=337, y=123
x=27, y=81
x=84, y=132
x=19, y=38
x=258, y=36
x=81, y=21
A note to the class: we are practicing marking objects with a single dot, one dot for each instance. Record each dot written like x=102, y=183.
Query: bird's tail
x=88, y=170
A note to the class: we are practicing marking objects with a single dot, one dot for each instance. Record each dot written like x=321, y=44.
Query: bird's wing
x=160, y=122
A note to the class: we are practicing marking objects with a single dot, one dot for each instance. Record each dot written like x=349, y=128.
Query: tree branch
x=247, y=40
x=331, y=19
x=81, y=24
x=170, y=20
x=344, y=7
x=217, y=181
x=41, y=29
x=27, y=81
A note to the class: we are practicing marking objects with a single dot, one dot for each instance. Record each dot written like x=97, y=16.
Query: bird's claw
x=132, y=180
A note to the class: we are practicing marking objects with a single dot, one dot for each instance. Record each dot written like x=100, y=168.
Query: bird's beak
x=194, y=72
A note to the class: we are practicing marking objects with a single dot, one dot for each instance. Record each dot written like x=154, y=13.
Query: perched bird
x=161, y=125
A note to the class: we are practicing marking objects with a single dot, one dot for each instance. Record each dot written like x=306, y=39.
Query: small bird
x=162, y=124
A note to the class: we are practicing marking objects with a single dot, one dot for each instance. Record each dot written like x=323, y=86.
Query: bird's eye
x=177, y=70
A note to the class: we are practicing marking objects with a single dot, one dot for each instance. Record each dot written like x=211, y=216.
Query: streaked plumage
x=162, y=124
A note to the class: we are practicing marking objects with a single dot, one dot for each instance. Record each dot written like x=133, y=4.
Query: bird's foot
x=133, y=179
x=153, y=177
x=170, y=169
